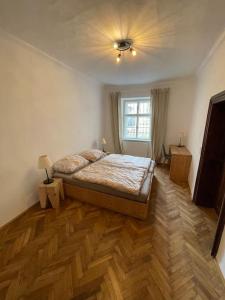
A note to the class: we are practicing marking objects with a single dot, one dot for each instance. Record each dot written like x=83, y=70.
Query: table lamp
x=45, y=163
x=181, y=139
x=103, y=144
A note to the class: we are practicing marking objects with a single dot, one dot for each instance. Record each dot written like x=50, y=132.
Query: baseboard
x=18, y=216
x=218, y=268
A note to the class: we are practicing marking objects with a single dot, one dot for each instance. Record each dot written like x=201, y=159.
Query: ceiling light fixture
x=124, y=45
x=115, y=45
x=133, y=52
x=118, y=58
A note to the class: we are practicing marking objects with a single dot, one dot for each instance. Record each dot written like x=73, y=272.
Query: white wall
x=182, y=94
x=45, y=108
x=210, y=81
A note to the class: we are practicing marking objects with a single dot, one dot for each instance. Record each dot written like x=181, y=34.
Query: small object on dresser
x=103, y=144
x=45, y=163
x=181, y=139
x=52, y=192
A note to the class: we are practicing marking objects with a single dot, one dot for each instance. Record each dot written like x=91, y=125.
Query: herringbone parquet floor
x=83, y=252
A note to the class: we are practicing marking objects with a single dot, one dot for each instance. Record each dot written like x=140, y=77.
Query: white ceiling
x=171, y=37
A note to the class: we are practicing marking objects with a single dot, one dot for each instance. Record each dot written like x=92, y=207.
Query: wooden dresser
x=180, y=164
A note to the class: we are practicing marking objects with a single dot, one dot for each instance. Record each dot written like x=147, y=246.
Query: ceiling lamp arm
x=122, y=46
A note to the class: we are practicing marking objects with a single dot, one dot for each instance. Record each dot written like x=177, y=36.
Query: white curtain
x=160, y=98
x=116, y=121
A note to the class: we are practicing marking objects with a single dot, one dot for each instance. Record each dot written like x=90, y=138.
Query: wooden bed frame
x=122, y=205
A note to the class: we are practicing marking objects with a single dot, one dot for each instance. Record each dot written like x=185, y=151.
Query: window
x=136, y=118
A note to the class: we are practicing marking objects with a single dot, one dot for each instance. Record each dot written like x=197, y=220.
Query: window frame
x=137, y=100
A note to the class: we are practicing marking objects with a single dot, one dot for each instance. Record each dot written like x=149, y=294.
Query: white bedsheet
x=127, y=161
x=121, y=172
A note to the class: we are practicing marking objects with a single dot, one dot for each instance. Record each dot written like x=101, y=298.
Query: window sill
x=136, y=140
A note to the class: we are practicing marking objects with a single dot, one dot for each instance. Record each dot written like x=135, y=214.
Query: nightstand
x=180, y=164
x=52, y=192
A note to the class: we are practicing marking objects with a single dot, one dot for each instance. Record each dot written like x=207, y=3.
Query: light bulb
x=115, y=45
x=118, y=59
x=133, y=52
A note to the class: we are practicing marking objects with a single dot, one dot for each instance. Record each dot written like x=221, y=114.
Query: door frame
x=219, y=230
x=221, y=221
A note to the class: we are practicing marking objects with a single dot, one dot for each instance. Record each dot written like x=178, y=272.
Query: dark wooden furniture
x=210, y=183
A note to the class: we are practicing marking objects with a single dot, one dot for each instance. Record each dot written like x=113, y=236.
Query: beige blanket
x=121, y=172
x=127, y=161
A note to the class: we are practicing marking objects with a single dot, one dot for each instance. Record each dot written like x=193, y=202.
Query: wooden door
x=209, y=183
x=221, y=193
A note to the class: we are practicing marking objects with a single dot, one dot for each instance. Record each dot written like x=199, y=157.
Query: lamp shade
x=181, y=134
x=103, y=141
x=44, y=162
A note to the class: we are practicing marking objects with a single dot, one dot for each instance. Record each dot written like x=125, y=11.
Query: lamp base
x=48, y=181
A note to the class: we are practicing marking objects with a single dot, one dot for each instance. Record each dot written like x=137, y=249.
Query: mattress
x=141, y=197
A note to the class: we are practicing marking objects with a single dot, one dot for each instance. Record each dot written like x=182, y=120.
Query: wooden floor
x=82, y=252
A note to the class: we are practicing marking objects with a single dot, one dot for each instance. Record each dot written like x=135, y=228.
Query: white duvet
x=127, y=161
x=121, y=172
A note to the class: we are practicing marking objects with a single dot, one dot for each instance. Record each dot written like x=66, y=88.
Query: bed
x=121, y=183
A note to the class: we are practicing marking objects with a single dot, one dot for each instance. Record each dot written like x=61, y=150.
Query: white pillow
x=70, y=164
x=92, y=154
